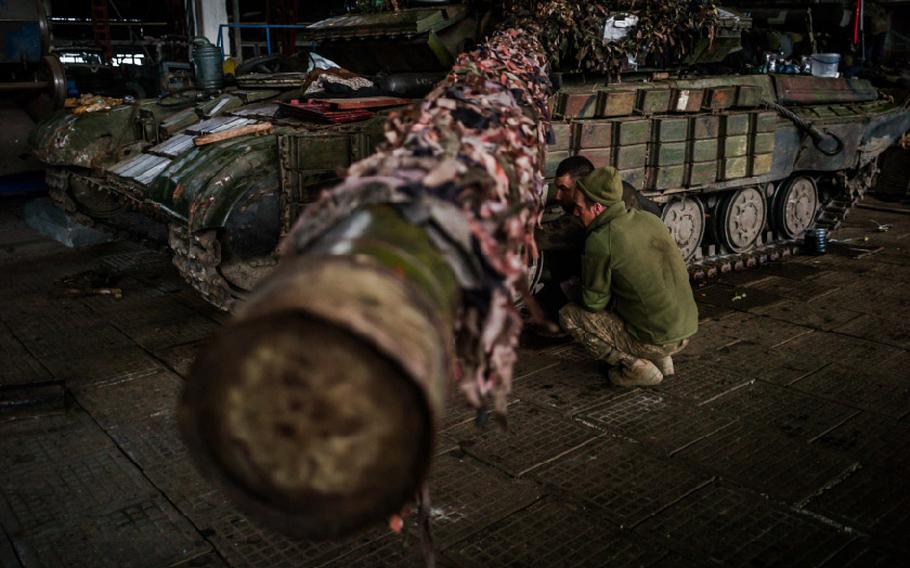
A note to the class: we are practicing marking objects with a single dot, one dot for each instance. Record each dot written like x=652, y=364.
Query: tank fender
x=882, y=131
x=849, y=132
x=87, y=140
x=239, y=184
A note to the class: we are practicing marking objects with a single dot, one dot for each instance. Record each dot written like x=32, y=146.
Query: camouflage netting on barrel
x=317, y=407
x=475, y=142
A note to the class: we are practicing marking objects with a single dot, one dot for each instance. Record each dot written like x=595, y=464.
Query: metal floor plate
x=702, y=379
x=894, y=330
x=142, y=534
x=243, y=543
x=554, y=534
x=180, y=358
x=758, y=330
x=860, y=554
x=163, y=333
x=117, y=364
x=791, y=412
x=866, y=389
x=735, y=298
x=535, y=435
x=656, y=419
x=627, y=482
x=393, y=551
x=568, y=387
x=467, y=496
x=766, y=460
x=871, y=499
x=823, y=347
x=531, y=362
x=19, y=367
x=824, y=314
x=872, y=439
x=69, y=494
x=734, y=527
x=801, y=291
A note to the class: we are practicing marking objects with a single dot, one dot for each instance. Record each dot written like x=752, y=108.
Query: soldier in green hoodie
x=637, y=307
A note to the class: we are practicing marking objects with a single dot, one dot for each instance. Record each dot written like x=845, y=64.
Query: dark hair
x=576, y=166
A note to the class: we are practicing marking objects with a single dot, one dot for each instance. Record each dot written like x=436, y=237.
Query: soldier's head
x=568, y=172
x=585, y=209
x=595, y=192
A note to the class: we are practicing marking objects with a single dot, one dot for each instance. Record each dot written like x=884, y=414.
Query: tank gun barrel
x=317, y=406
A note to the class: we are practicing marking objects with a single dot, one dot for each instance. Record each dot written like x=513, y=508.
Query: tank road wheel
x=742, y=218
x=685, y=217
x=795, y=207
x=94, y=201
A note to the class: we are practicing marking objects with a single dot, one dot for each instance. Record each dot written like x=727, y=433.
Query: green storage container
x=705, y=126
x=720, y=98
x=687, y=100
x=748, y=96
x=578, y=105
x=704, y=150
x=593, y=134
x=669, y=153
x=600, y=157
x=632, y=131
x=733, y=168
x=765, y=121
x=764, y=143
x=736, y=146
x=562, y=132
x=672, y=129
x=735, y=124
x=653, y=101
x=631, y=157
x=701, y=173
x=616, y=102
x=668, y=177
x=761, y=164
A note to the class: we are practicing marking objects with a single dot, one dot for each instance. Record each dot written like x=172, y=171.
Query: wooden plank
x=260, y=128
x=365, y=102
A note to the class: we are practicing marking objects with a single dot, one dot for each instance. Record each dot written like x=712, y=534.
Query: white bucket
x=824, y=64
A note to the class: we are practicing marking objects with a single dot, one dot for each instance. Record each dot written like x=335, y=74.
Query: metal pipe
x=235, y=9
x=19, y=86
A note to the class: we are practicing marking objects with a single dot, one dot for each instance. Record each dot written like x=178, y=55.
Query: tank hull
x=740, y=166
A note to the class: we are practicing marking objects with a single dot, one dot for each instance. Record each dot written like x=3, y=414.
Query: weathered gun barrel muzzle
x=318, y=408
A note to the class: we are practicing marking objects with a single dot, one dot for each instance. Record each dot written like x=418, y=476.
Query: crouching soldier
x=636, y=307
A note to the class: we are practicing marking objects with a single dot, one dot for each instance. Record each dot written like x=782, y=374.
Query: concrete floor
x=783, y=439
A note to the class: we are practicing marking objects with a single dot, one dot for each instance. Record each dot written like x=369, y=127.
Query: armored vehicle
x=223, y=206
x=739, y=165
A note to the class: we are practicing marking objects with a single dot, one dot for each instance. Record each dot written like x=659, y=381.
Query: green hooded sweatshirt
x=631, y=259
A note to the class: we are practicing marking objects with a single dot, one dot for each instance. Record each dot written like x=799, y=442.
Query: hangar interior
x=285, y=283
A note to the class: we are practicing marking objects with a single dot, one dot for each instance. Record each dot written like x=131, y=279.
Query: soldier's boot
x=638, y=373
x=665, y=365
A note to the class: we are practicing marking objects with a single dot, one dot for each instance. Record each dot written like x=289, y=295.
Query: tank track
x=58, y=183
x=830, y=216
x=197, y=258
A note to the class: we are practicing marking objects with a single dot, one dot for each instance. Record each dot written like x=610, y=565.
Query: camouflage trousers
x=605, y=337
